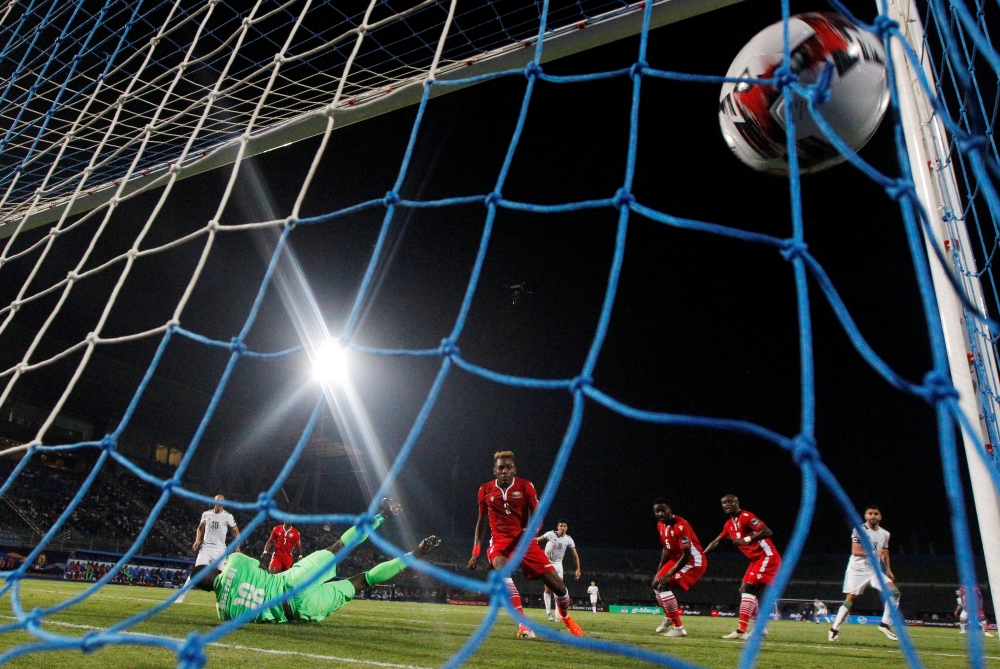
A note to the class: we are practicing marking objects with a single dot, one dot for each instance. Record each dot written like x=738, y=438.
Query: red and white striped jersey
x=508, y=509
x=679, y=536
x=743, y=525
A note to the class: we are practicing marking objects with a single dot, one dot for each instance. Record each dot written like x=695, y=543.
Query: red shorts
x=687, y=576
x=282, y=561
x=535, y=562
x=763, y=570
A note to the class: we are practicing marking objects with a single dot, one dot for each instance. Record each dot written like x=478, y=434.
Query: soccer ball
x=753, y=116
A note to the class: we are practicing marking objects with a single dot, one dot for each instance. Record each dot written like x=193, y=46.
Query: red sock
x=748, y=607
x=515, y=596
x=563, y=604
x=669, y=605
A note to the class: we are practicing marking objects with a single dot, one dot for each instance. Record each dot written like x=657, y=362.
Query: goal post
x=971, y=353
x=560, y=41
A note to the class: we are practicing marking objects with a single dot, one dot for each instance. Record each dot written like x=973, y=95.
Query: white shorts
x=557, y=565
x=593, y=599
x=208, y=553
x=856, y=580
x=963, y=616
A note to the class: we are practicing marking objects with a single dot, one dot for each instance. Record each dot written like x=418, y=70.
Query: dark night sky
x=701, y=325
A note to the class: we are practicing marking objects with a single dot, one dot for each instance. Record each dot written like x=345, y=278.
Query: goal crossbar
x=559, y=43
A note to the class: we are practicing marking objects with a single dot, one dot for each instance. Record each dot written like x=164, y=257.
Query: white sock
x=841, y=614
x=181, y=598
x=548, y=603
x=887, y=614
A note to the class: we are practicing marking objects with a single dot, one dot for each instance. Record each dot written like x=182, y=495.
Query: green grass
x=371, y=634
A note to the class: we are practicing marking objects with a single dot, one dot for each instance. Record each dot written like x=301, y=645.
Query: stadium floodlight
x=329, y=362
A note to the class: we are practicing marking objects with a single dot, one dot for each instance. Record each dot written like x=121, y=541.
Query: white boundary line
x=231, y=646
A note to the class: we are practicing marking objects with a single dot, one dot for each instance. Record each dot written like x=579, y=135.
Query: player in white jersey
x=210, y=539
x=861, y=573
x=557, y=543
x=595, y=595
x=964, y=608
x=820, y=611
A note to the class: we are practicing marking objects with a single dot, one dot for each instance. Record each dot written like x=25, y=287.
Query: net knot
x=192, y=654
x=623, y=198
x=498, y=589
x=391, y=198
x=169, y=485
x=937, y=387
x=804, y=450
x=968, y=141
x=638, y=69
x=34, y=617
x=447, y=349
x=108, y=443
x=819, y=93
x=784, y=77
x=579, y=383
x=899, y=189
x=266, y=503
x=493, y=199
x=792, y=248
x=237, y=346
x=883, y=26
x=533, y=69
x=91, y=641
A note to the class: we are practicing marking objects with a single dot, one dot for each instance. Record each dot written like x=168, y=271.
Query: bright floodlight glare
x=330, y=362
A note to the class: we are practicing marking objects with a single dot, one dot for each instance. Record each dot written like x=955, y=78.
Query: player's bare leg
x=561, y=592
x=385, y=571
x=523, y=631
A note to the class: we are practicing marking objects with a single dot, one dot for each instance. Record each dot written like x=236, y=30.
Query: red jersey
x=744, y=525
x=284, y=540
x=678, y=537
x=508, y=509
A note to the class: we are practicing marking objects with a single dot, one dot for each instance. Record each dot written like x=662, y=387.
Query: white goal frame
x=937, y=188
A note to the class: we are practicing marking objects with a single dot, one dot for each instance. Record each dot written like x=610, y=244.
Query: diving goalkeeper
x=245, y=585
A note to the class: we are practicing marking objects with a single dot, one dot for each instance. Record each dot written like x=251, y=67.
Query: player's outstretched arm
x=578, y=567
x=267, y=548
x=198, y=535
x=481, y=524
x=715, y=543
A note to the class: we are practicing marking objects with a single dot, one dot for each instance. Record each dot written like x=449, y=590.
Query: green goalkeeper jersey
x=244, y=586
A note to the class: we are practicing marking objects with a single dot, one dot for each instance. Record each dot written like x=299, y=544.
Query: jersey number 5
x=250, y=596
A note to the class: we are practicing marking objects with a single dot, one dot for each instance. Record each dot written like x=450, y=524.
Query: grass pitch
x=388, y=634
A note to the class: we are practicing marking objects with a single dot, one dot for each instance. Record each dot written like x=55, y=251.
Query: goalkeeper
x=244, y=585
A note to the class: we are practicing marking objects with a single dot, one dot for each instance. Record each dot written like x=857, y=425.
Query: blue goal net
x=107, y=107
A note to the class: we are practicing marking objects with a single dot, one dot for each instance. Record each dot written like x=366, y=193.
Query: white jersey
x=592, y=591
x=556, y=546
x=216, y=527
x=820, y=608
x=879, y=539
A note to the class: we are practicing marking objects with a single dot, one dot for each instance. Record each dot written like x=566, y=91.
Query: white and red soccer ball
x=752, y=116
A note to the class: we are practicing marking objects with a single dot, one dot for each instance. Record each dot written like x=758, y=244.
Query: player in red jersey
x=504, y=507
x=753, y=538
x=682, y=563
x=284, y=539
